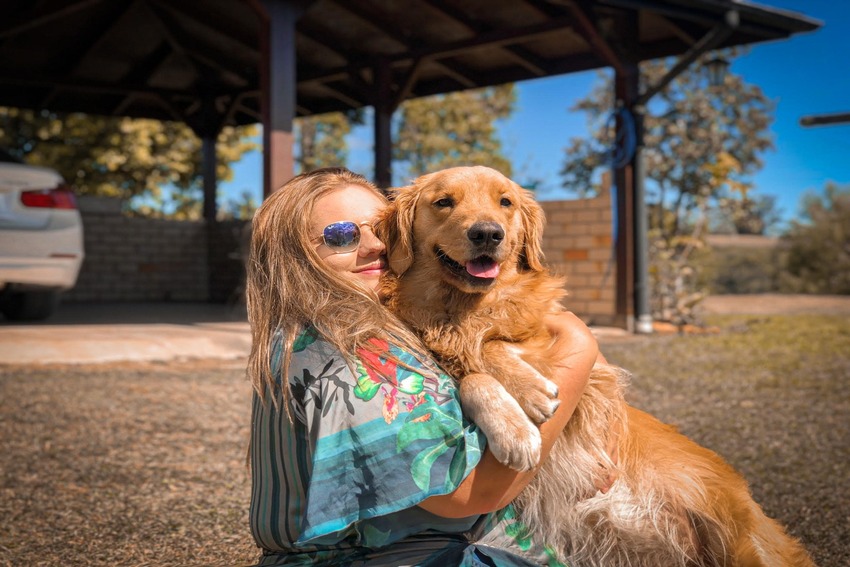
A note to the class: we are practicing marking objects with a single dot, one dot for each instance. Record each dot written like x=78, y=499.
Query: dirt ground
x=144, y=464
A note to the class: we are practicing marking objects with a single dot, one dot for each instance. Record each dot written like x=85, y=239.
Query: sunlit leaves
x=454, y=129
x=121, y=157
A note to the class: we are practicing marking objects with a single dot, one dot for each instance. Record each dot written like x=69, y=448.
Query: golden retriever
x=464, y=248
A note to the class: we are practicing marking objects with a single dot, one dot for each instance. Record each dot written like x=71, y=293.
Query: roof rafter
x=194, y=53
x=465, y=76
x=31, y=21
x=485, y=40
x=521, y=55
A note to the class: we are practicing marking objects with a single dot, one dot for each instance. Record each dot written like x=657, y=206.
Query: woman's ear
x=395, y=228
x=533, y=220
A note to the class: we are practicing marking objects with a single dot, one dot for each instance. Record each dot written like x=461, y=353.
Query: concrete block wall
x=578, y=243
x=141, y=260
x=152, y=260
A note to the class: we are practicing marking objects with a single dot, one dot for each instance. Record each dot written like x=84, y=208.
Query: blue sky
x=808, y=74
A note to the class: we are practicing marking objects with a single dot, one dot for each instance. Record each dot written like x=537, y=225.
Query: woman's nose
x=369, y=243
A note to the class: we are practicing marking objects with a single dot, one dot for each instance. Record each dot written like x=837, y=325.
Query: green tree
x=242, y=207
x=455, y=129
x=757, y=215
x=818, y=246
x=702, y=144
x=321, y=139
x=121, y=157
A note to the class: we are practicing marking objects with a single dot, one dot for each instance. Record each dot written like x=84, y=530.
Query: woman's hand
x=491, y=485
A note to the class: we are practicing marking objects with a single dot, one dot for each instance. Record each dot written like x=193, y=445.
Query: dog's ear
x=395, y=228
x=533, y=220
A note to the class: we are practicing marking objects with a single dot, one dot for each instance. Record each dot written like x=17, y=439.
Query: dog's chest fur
x=454, y=325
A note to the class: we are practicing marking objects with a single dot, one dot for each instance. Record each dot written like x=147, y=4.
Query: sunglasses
x=343, y=236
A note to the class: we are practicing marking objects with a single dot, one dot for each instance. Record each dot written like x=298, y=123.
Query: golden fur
x=465, y=250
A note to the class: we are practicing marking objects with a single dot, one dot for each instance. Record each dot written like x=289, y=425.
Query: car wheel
x=29, y=305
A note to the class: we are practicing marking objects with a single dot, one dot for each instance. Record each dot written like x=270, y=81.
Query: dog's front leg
x=511, y=437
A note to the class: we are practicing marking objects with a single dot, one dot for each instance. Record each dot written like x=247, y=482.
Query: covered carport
x=230, y=62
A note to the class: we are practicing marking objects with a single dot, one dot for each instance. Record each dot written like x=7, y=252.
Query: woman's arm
x=491, y=485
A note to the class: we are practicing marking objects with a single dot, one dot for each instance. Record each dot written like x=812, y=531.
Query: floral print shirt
x=338, y=481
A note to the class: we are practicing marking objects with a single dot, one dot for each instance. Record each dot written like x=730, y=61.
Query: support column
x=626, y=88
x=207, y=126
x=643, y=312
x=384, y=107
x=278, y=82
x=208, y=170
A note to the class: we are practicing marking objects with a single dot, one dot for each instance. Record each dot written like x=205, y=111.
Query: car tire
x=29, y=305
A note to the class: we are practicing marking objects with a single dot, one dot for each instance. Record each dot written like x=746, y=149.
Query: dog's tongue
x=483, y=268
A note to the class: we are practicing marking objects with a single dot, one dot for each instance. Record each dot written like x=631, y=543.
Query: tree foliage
x=455, y=129
x=701, y=145
x=818, y=246
x=321, y=139
x=120, y=157
x=158, y=164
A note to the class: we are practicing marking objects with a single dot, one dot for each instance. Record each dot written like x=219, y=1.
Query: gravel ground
x=144, y=464
x=124, y=465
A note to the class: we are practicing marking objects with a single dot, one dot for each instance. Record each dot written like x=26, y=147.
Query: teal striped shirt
x=339, y=484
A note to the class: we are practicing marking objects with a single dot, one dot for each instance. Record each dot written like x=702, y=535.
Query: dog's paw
x=516, y=445
x=538, y=398
x=511, y=437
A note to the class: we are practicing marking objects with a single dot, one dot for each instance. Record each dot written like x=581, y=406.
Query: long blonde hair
x=290, y=287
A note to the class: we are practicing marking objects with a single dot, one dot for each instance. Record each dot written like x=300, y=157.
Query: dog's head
x=467, y=226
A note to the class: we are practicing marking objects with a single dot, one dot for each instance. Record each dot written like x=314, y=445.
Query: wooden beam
x=714, y=37
x=202, y=57
x=825, y=119
x=486, y=40
x=33, y=21
x=521, y=55
x=208, y=19
x=586, y=27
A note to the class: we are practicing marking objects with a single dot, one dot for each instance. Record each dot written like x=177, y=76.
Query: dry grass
x=770, y=394
x=144, y=464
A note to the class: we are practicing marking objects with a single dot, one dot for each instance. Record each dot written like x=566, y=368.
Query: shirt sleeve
x=366, y=443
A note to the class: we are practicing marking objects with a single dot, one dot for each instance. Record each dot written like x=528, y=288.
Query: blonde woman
x=360, y=453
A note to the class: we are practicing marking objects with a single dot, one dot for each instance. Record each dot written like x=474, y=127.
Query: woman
x=360, y=453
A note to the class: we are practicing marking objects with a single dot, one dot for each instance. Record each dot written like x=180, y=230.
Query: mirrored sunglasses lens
x=342, y=236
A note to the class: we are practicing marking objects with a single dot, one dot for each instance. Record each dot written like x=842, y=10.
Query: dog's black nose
x=485, y=233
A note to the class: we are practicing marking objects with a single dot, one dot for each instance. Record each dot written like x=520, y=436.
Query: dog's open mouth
x=478, y=271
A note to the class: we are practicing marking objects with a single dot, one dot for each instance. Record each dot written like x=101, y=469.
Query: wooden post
x=626, y=90
x=383, y=125
x=278, y=83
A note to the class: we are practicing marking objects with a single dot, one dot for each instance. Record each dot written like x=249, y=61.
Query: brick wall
x=578, y=243
x=151, y=260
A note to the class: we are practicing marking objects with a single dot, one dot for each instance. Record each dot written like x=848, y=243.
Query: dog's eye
x=443, y=203
x=505, y=202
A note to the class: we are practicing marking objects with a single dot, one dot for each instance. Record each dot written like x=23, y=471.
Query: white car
x=41, y=239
